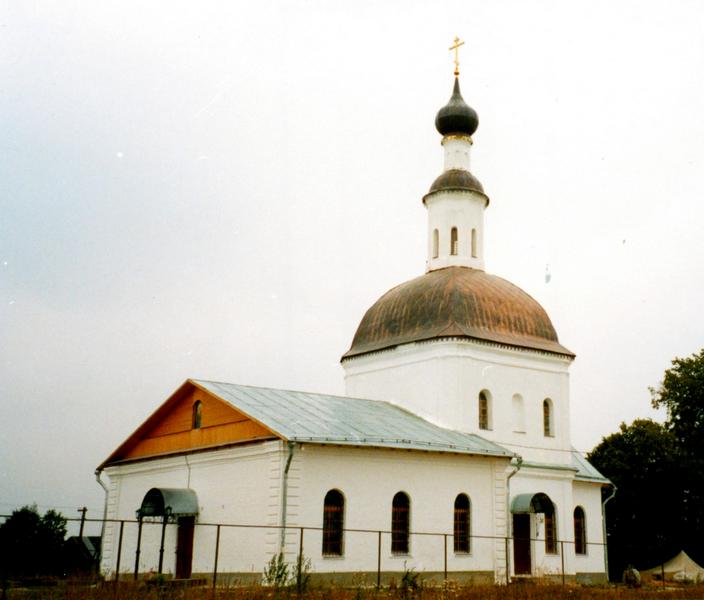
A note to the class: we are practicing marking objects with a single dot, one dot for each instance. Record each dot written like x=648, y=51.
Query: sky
x=219, y=190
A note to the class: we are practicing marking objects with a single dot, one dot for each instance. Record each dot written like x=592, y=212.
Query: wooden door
x=184, y=547
x=521, y=544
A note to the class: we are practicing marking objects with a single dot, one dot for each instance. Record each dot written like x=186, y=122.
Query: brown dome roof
x=456, y=302
x=456, y=179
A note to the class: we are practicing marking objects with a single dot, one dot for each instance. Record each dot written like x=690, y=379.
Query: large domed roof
x=456, y=302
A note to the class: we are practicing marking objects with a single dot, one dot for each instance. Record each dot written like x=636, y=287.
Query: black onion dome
x=456, y=116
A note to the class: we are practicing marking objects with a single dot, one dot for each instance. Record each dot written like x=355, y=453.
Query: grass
x=107, y=591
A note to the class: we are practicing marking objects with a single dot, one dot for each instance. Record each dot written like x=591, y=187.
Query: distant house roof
x=325, y=419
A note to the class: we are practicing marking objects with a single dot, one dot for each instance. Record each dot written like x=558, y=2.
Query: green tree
x=643, y=520
x=681, y=392
x=31, y=544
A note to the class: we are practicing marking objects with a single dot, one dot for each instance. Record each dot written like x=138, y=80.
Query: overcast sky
x=221, y=189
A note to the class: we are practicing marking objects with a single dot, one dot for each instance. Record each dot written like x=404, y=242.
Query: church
x=450, y=453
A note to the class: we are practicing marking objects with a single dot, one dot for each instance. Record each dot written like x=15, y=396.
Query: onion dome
x=456, y=116
x=456, y=180
x=456, y=302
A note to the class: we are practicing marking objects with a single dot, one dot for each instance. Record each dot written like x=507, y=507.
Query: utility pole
x=83, y=512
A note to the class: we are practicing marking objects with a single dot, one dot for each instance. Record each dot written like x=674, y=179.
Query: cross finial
x=456, y=48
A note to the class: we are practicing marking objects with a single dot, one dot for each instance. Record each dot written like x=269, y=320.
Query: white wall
x=440, y=380
x=239, y=485
x=369, y=479
x=243, y=486
x=566, y=493
x=588, y=496
x=465, y=211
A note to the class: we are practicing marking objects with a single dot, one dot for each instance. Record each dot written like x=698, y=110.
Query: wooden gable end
x=171, y=428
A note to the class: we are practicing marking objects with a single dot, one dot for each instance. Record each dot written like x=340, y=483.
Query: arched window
x=400, y=523
x=462, y=523
x=453, y=241
x=436, y=243
x=474, y=243
x=519, y=414
x=196, y=419
x=333, y=523
x=484, y=410
x=550, y=530
x=580, y=531
x=548, y=426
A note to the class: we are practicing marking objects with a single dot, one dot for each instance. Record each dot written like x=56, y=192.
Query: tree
x=643, y=520
x=31, y=544
x=681, y=392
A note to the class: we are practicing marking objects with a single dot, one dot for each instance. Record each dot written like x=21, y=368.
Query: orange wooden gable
x=170, y=428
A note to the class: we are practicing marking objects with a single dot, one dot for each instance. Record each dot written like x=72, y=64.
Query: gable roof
x=323, y=419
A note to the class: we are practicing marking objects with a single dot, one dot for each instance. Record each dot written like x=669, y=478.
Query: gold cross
x=456, y=48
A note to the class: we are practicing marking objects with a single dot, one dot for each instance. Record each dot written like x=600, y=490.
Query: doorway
x=521, y=544
x=184, y=547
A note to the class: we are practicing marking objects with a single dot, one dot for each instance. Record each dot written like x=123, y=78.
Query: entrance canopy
x=532, y=503
x=169, y=502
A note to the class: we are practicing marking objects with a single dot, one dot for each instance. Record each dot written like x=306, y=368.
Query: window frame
x=548, y=418
x=462, y=525
x=197, y=415
x=580, y=531
x=401, y=524
x=550, y=526
x=333, y=532
x=484, y=410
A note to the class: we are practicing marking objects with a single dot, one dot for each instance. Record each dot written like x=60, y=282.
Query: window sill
x=333, y=557
x=401, y=556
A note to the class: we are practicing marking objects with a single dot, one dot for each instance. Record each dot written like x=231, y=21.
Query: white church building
x=450, y=453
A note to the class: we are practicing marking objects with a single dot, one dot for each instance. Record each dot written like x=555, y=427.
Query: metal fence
x=239, y=537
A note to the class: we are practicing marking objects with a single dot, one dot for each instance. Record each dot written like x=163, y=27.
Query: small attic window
x=197, y=410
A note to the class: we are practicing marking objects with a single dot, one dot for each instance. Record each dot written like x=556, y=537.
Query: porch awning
x=175, y=502
x=532, y=503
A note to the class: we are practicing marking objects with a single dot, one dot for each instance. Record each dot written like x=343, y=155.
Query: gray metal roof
x=324, y=419
x=585, y=470
x=169, y=501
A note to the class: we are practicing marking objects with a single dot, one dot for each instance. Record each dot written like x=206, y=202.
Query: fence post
x=161, y=545
x=139, y=545
x=119, y=551
x=378, y=561
x=444, y=535
x=300, y=561
x=217, y=552
x=562, y=558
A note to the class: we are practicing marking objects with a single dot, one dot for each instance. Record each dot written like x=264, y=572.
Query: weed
x=276, y=571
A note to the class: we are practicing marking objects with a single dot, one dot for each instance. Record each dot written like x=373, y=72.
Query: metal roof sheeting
x=169, y=502
x=324, y=419
x=585, y=470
